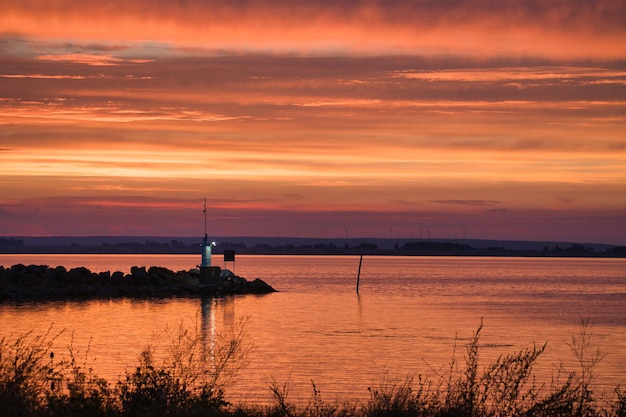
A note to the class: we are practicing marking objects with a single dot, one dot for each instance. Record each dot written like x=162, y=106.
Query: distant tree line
x=303, y=249
x=11, y=242
x=450, y=248
x=415, y=248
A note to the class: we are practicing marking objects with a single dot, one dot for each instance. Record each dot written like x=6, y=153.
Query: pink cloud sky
x=504, y=121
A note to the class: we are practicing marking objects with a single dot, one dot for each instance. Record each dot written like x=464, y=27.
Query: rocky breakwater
x=41, y=282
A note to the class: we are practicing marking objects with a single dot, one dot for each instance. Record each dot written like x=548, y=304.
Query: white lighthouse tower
x=208, y=274
x=206, y=251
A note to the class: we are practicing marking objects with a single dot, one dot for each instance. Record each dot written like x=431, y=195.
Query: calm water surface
x=409, y=316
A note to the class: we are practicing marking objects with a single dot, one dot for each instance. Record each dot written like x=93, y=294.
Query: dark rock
x=159, y=271
x=36, y=271
x=40, y=282
x=139, y=275
x=78, y=273
x=258, y=286
x=50, y=274
x=226, y=274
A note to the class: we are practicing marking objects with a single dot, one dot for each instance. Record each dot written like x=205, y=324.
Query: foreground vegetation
x=190, y=380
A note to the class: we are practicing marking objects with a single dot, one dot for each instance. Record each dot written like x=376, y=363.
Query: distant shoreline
x=286, y=246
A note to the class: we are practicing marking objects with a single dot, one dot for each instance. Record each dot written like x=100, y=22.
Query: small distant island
x=307, y=246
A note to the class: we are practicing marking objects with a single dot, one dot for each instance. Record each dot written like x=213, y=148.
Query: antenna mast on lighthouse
x=204, y=211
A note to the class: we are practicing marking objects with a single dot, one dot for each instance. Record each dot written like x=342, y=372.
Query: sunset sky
x=496, y=119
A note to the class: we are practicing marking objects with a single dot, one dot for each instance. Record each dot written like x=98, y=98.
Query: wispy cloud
x=44, y=76
x=478, y=203
x=518, y=75
x=91, y=59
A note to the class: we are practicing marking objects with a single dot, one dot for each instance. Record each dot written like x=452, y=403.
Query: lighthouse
x=206, y=251
x=209, y=275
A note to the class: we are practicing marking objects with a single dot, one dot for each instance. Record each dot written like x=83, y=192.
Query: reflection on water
x=209, y=308
x=408, y=317
x=208, y=322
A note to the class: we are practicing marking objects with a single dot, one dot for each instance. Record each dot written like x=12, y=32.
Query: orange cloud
x=90, y=59
x=548, y=29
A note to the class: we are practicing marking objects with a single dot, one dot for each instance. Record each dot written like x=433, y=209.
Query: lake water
x=408, y=317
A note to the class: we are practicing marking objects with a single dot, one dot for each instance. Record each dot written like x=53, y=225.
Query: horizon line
x=337, y=238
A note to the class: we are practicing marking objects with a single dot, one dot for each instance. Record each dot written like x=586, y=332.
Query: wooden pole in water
x=358, y=277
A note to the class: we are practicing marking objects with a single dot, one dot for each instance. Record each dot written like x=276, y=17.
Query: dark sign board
x=229, y=255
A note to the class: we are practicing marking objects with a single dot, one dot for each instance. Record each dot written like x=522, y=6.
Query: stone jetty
x=41, y=282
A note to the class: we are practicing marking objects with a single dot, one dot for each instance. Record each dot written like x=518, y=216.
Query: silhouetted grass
x=190, y=380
